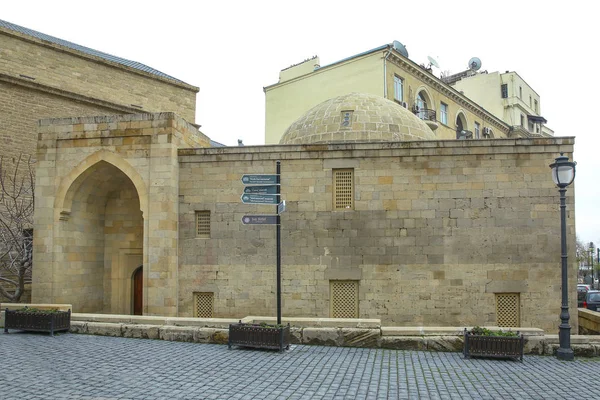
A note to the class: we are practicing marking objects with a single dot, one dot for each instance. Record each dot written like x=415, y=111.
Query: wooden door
x=138, y=290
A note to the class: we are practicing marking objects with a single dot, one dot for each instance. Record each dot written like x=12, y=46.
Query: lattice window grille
x=203, y=305
x=203, y=224
x=507, y=309
x=343, y=189
x=344, y=299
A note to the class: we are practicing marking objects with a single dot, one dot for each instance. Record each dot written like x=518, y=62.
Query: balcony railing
x=425, y=114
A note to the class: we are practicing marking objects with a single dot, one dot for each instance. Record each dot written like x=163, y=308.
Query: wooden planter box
x=493, y=346
x=258, y=336
x=37, y=321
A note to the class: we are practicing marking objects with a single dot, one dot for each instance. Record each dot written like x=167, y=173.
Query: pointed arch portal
x=102, y=234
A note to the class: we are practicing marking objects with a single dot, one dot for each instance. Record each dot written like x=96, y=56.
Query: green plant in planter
x=37, y=320
x=479, y=331
x=259, y=335
x=265, y=325
x=38, y=311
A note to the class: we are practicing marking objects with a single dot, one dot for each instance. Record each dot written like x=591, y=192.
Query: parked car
x=592, y=300
x=581, y=293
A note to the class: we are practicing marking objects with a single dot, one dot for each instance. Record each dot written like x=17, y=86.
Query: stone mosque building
x=138, y=213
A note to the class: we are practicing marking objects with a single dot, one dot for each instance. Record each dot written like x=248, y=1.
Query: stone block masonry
x=454, y=233
x=39, y=80
x=107, y=205
x=437, y=230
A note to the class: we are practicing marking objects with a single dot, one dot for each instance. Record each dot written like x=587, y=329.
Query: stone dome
x=357, y=117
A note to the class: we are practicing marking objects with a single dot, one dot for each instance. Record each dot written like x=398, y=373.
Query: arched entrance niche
x=101, y=231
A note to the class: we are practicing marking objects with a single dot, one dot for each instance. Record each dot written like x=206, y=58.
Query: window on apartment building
x=535, y=106
x=444, y=113
x=530, y=103
x=507, y=310
x=203, y=224
x=504, y=90
x=522, y=120
x=343, y=299
x=398, y=88
x=343, y=189
x=520, y=92
x=477, y=130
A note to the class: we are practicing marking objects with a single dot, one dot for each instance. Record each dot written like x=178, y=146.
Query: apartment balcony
x=428, y=116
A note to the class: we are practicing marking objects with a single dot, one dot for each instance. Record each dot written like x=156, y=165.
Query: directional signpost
x=259, y=219
x=260, y=199
x=281, y=207
x=260, y=179
x=272, y=189
x=265, y=189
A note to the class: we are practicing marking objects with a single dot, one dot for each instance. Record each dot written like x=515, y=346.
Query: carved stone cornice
x=429, y=79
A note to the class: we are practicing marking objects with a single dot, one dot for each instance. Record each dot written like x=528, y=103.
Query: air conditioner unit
x=404, y=104
x=486, y=131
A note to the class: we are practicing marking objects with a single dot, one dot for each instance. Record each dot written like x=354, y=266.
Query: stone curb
x=583, y=346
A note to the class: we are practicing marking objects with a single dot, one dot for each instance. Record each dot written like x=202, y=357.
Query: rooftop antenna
x=433, y=62
x=400, y=48
x=474, y=64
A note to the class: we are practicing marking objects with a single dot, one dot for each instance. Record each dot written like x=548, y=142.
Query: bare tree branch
x=17, y=184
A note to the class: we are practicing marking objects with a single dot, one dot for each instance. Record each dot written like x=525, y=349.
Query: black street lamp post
x=563, y=174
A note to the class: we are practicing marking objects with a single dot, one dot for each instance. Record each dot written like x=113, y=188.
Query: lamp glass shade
x=563, y=175
x=563, y=171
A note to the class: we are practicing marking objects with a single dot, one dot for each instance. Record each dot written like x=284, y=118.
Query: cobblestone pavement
x=69, y=366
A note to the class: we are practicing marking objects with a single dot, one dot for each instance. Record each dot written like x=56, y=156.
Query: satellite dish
x=400, y=48
x=433, y=62
x=474, y=64
x=462, y=135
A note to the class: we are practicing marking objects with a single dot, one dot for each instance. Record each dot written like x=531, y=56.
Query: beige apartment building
x=508, y=97
x=452, y=111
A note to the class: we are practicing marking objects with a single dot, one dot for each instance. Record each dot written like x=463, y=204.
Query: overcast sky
x=232, y=49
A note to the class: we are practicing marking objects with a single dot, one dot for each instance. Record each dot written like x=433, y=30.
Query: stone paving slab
x=70, y=366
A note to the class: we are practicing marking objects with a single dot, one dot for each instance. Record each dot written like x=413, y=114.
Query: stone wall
x=589, y=322
x=106, y=203
x=20, y=109
x=41, y=80
x=437, y=230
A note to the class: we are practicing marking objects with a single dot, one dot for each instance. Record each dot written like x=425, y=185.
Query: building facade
x=46, y=77
x=423, y=232
x=386, y=72
x=388, y=215
x=508, y=97
x=466, y=105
